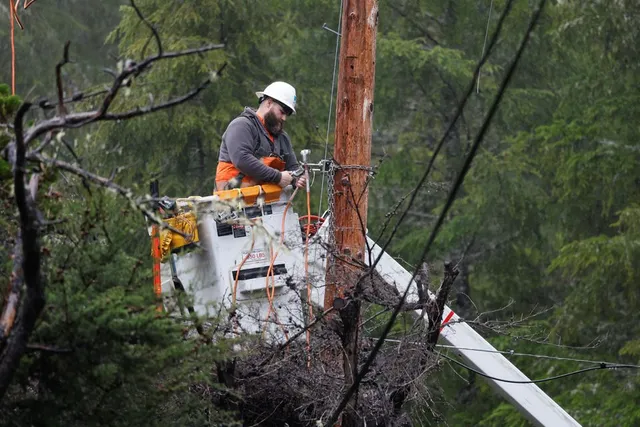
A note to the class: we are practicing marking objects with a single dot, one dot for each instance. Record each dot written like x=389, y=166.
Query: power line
x=537, y=356
x=333, y=85
x=515, y=353
x=541, y=380
x=486, y=34
x=456, y=116
x=452, y=194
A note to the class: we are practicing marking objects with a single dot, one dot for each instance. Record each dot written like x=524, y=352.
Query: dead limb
x=148, y=24
x=75, y=120
x=65, y=60
x=26, y=275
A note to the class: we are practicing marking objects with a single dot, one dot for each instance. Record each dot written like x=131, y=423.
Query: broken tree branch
x=26, y=268
x=153, y=108
x=139, y=204
x=435, y=310
x=450, y=199
x=76, y=120
x=148, y=24
x=48, y=348
x=135, y=69
x=65, y=60
x=422, y=281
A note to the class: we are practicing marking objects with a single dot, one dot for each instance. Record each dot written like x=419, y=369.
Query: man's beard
x=273, y=125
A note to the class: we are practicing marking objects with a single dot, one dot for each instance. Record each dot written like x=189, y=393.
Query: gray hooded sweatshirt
x=246, y=141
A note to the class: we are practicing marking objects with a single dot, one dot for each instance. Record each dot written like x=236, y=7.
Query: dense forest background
x=546, y=229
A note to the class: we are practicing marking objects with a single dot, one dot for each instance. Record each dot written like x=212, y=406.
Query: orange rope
x=12, y=16
x=270, y=271
x=271, y=295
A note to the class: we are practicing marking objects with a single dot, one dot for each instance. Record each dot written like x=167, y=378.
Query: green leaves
x=8, y=105
x=549, y=213
x=123, y=362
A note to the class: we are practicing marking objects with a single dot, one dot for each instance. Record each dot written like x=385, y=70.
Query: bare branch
x=65, y=60
x=422, y=281
x=76, y=120
x=393, y=212
x=104, y=182
x=356, y=206
x=450, y=199
x=19, y=164
x=187, y=52
x=48, y=348
x=26, y=268
x=435, y=310
x=135, y=69
x=45, y=104
x=148, y=24
x=45, y=143
x=107, y=183
x=153, y=108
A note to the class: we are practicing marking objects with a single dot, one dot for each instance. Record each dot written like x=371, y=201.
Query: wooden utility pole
x=352, y=149
x=352, y=153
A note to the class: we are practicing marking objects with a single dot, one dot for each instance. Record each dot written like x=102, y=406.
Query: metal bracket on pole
x=324, y=27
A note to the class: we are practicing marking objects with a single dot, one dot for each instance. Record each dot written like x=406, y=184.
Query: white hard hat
x=281, y=91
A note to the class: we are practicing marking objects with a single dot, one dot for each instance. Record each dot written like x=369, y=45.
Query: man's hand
x=285, y=178
x=301, y=182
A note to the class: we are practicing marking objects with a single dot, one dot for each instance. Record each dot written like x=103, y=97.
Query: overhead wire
x=450, y=199
x=484, y=45
x=235, y=283
x=600, y=366
x=515, y=353
x=533, y=355
x=333, y=85
x=444, y=137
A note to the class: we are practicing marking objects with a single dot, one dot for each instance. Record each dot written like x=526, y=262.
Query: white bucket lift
x=211, y=273
x=236, y=252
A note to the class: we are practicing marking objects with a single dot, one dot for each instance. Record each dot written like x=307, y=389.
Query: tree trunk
x=352, y=153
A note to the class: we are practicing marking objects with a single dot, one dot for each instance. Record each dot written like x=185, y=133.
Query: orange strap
x=226, y=170
x=274, y=162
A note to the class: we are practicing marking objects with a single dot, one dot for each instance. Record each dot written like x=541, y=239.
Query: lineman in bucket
x=255, y=148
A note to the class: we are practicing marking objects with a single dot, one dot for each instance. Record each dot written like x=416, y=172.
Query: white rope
x=333, y=83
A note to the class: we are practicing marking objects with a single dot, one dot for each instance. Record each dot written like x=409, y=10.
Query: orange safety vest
x=226, y=171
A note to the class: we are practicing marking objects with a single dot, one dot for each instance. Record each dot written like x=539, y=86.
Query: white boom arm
x=529, y=399
x=237, y=259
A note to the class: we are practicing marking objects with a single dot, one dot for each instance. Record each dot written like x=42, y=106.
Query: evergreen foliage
x=102, y=354
x=548, y=217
